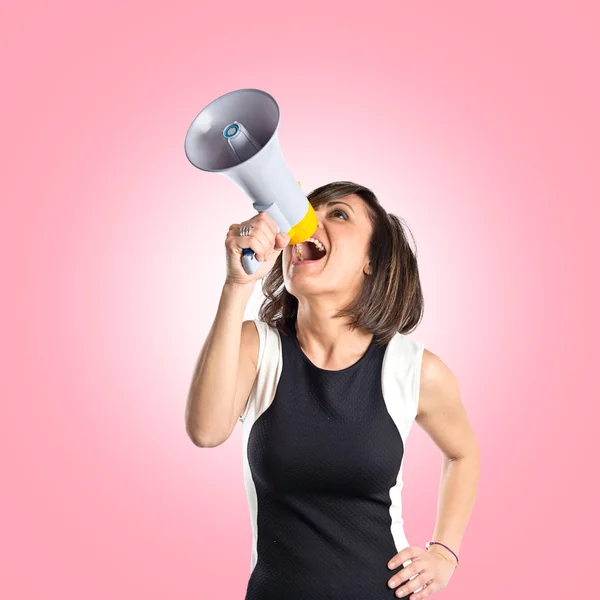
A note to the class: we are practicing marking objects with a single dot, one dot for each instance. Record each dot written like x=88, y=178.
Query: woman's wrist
x=442, y=550
x=243, y=288
x=445, y=555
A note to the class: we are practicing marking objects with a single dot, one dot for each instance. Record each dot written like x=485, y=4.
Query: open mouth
x=309, y=251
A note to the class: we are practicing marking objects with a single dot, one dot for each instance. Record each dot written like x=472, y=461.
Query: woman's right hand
x=263, y=239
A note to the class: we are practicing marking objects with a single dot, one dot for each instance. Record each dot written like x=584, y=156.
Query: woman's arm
x=443, y=417
x=224, y=372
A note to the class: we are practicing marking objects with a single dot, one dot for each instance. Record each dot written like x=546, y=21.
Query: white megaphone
x=236, y=135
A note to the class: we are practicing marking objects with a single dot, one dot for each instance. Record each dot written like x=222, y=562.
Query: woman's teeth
x=317, y=243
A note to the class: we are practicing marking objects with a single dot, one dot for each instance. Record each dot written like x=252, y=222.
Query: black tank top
x=323, y=454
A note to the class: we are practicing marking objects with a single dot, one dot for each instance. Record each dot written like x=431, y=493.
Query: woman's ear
x=368, y=271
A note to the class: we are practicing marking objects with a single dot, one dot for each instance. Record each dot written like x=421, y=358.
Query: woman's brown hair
x=391, y=299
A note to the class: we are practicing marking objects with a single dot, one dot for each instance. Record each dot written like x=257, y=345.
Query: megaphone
x=236, y=135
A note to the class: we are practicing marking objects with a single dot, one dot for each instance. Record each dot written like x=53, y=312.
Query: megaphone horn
x=236, y=135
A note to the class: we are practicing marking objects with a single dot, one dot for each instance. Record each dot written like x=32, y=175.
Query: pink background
x=477, y=122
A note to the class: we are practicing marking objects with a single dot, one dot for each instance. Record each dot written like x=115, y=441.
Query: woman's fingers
x=408, y=553
x=430, y=588
x=281, y=240
x=257, y=240
x=265, y=219
x=263, y=240
x=427, y=573
x=410, y=571
x=414, y=584
x=264, y=228
x=259, y=234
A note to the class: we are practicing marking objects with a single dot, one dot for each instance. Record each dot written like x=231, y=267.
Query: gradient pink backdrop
x=477, y=122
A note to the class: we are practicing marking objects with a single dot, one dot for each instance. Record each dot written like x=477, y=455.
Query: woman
x=327, y=384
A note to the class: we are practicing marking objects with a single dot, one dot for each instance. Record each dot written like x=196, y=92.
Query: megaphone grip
x=249, y=261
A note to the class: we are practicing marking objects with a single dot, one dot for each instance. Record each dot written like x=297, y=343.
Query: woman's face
x=345, y=230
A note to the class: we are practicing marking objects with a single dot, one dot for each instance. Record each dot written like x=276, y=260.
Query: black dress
x=323, y=453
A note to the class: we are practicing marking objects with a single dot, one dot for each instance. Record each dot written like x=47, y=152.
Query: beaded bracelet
x=440, y=543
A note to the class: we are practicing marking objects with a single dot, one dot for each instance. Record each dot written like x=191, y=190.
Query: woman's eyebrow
x=340, y=202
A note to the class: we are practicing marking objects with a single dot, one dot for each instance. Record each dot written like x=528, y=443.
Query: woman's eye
x=337, y=210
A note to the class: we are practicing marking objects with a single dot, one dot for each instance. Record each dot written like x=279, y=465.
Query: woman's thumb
x=282, y=240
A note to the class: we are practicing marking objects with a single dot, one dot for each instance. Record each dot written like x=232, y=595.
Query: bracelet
x=440, y=543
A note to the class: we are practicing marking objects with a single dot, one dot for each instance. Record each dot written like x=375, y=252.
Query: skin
x=442, y=416
x=322, y=288
x=325, y=286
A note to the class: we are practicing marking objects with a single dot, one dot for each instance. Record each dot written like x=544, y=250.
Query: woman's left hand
x=434, y=571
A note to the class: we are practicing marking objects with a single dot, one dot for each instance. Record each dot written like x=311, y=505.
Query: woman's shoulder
x=272, y=328
x=410, y=344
